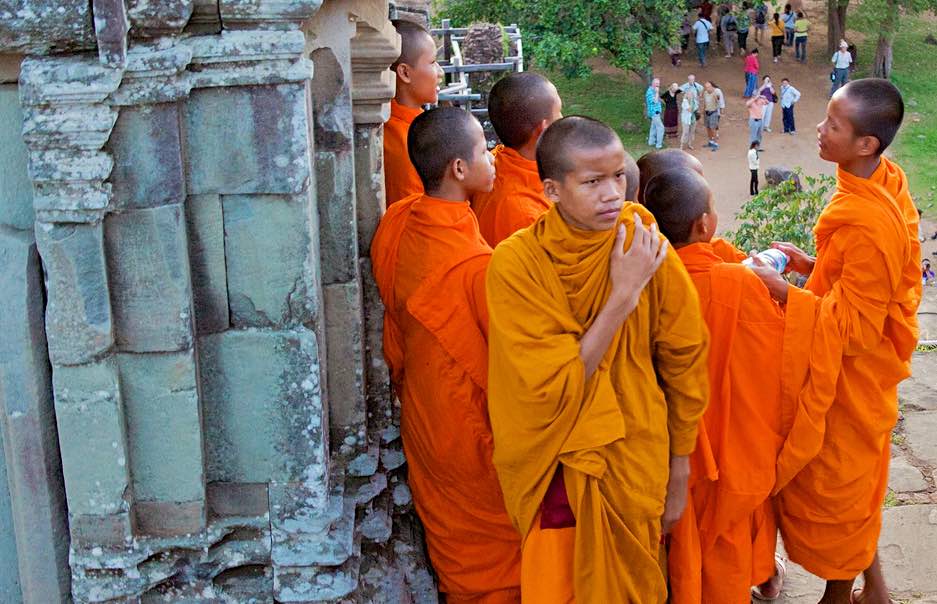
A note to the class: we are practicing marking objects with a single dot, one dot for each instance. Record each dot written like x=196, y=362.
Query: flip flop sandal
x=781, y=570
x=857, y=593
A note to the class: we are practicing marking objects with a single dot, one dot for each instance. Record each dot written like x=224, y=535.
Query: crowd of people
x=573, y=350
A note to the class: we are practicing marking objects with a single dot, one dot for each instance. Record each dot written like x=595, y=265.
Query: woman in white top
x=841, y=61
x=753, y=165
x=688, y=109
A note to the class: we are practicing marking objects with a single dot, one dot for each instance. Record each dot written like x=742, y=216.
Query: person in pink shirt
x=756, y=113
x=751, y=72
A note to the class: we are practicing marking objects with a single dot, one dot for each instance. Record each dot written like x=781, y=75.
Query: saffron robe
x=515, y=202
x=613, y=433
x=429, y=263
x=400, y=177
x=725, y=541
x=832, y=472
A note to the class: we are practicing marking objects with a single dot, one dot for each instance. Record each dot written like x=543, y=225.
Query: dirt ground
x=727, y=168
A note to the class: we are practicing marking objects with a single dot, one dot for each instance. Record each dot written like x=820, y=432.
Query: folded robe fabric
x=833, y=469
x=515, y=202
x=429, y=263
x=400, y=177
x=613, y=433
x=754, y=347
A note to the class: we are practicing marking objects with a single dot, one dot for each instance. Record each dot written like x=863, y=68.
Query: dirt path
x=727, y=169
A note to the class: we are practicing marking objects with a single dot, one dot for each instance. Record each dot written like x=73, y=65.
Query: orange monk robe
x=613, y=433
x=726, y=251
x=516, y=200
x=400, y=177
x=866, y=287
x=429, y=263
x=757, y=359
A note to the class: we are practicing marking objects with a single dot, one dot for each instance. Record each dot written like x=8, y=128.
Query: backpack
x=761, y=16
x=732, y=25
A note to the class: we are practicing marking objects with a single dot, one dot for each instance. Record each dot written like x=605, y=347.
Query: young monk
x=418, y=76
x=429, y=263
x=597, y=378
x=520, y=106
x=725, y=541
x=656, y=162
x=864, y=284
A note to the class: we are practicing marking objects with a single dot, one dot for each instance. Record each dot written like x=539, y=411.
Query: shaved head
x=413, y=37
x=877, y=109
x=677, y=199
x=436, y=138
x=632, y=178
x=573, y=132
x=519, y=103
x=653, y=163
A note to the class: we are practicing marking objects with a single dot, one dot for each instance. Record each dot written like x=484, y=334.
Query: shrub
x=782, y=213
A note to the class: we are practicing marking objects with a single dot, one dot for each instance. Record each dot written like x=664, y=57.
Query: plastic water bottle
x=776, y=259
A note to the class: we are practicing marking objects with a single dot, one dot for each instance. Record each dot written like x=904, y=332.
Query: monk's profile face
x=423, y=76
x=837, y=140
x=592, y=193
x=479, y=172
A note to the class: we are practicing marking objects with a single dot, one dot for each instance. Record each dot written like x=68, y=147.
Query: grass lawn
x=608, y=98
x=913, y=72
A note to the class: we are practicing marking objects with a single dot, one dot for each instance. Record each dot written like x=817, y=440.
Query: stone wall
x=202, y=368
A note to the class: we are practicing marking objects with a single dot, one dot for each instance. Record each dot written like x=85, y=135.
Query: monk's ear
x=551, y=190
x=458, y=169
x=538, y=131
x=404, y=73
x=867, y=146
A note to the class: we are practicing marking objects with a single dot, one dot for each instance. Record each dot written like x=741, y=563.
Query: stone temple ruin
x=194, y=403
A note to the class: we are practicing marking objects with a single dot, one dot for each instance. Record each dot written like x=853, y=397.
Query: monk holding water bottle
x=725, y=541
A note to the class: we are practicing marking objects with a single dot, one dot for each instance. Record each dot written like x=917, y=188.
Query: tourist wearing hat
x=841, y=61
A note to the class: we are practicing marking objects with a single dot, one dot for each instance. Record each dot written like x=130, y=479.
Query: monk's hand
x=800, y=261
x=631, y=270
x=677, y=488
x=776, y=284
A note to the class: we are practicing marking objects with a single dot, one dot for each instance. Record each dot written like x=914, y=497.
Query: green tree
x=564, y=34
x=886, y=17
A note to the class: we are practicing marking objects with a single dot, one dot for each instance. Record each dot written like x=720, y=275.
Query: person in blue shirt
x=789, y=96
x=701, y=28
x=653, y=109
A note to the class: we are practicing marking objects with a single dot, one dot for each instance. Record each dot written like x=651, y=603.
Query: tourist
x=751, y=73
x=777, y=37
x=689, y=113
x=743, y=21
x=671, y=110
x=756, y=113
x=520, y=107
x=429, y=260
x=653, y=110
x=597, y=379
x=841, y=61
x=927, y=273
x=761, y=21
x=702, y=27
x=692, y=83
x=418, y=75
x=674, y=52
x=686, y=28
x=789, y=17
x=714, y=103
x=753, y=164
x=729, y=27
x=767, y=91
x=865, y=283
x=789, y=97
x=801, y=29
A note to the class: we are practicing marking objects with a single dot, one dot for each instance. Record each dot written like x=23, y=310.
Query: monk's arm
x=630, y=272
x=681, y=342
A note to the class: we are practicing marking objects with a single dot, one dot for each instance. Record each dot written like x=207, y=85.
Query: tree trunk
x=835, y=24
x=881, y=67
